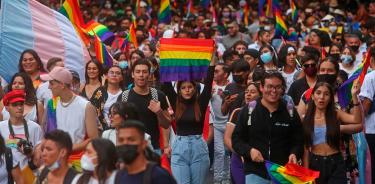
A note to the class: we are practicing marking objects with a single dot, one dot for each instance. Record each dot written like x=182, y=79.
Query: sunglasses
x=309, y=65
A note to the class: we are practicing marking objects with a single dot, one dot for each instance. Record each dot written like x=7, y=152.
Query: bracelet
x=357, y=104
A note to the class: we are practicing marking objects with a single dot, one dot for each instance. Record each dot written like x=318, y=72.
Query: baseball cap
x=14, y=96
x=60, y=74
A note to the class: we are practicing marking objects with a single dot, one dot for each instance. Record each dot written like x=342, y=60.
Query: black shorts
x=331, y=168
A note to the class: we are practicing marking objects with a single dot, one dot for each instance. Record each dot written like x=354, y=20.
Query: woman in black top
x=190, y=161
x=93, y=77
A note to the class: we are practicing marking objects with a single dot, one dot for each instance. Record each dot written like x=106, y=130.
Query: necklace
x=67, y=104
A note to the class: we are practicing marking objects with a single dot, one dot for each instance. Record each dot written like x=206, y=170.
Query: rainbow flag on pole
x=281, y=30
x=184, y=59
x=164, y=15
x=344, y=92
x=102, y=54
x=290, y=174
x=269, y=8
x=100, y=30
x=294, y=11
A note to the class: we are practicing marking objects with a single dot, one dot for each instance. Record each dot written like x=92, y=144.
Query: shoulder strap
x=154, y=94
x=43, y=175
x=251, y=107
x=125, y=95
x=9, y=163
x=118, y=176
x=69, y=176
x=147, y=177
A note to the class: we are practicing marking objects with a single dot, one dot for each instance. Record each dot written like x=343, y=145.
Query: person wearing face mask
x=353, y=41
x=298, y=87
x=98, y=163
x=131, y=152
x=57, y=147
x=268, y=58
x=347, y=61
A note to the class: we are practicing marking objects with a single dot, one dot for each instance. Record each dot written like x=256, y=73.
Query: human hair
x=261, y=32
x=107, y=158
x=258, y=74
x=331, y=60
x=239, y=42
x=35, y=56
x=141, y=62
x=30, y=98
x=225, y=67
x=52, y=62
x=273, y=74
x=126, y=110
x=339, y=46
x=312, y=51
x=100, y=70
x=138, y=52
x=308, y=57
x=121, y=83
x=2, y=149
x=136, y=124
x=61, y=138
x=181, y=106
x=351, y=52
x=151, y=47
x=274, y=57
x=332, y=123
x=240, y=66
x=283, y=53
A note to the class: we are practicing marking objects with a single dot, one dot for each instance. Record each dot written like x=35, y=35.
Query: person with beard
x=234, y=35
x=131, y=151
x=298, y=87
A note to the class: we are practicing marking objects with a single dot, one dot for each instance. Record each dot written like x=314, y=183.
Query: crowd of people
x=265, y=98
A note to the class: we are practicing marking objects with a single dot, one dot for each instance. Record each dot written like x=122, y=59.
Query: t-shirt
x=368, y=91
x=158, y=176
x=35, y=136
x=146, y=115
x=110, y=100
x=92, y=180
x=43, y=94
x=228, y=40
x=217, y=118
x=3, y=169
x=297, y=88
x=289, y=78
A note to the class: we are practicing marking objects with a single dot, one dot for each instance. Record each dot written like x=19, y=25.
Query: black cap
x=252, y=52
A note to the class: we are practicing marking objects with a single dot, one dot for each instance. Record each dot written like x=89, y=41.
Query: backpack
x=146, y=177
x=70, y=175
x=9, y=164
x=125, y=95
x=287, y=99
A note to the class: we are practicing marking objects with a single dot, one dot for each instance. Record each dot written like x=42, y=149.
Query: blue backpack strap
x=251, y=107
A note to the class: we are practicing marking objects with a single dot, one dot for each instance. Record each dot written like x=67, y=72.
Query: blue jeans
x=221, y=158
x=255, y=179
x=190, y=162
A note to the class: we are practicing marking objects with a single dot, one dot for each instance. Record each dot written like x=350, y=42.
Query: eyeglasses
x=114, y=73
x=309, y=65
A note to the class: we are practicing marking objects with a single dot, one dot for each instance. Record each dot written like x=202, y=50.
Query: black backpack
x=9, y=164
x=67, y=179
x=146, y=177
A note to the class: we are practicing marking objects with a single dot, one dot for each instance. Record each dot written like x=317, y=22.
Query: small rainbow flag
x=344, y=92
x=205, y=3
x=100, y=30
x=281, y=30
x=183, y=59
x=246, y=14
x=294, y=11
x=102, y=54
x=189, y=8
x=138, y=8
x=290, y=174
x=164, y=15
x=269, y=8
x=131, y=37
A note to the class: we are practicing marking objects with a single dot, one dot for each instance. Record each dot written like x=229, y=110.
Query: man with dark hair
x=251, y=56
x=234, y=35
x=268, y=129
x=264, y=38
x=241, y=71
x=56, y=150
x=354, y=42
x=151, y=103
x=131, y=150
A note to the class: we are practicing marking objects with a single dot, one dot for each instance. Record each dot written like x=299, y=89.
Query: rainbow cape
x=51, y=114
x=294, y=11
x=101, y=52
x=290, y=174
x=184, y=59
x=164, y=15
x=344, y=92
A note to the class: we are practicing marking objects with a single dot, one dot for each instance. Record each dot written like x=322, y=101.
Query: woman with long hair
x=31, y=64
x=98, y=163
x=105, y=96
x=33, y=109
x=190, y=161
x=348, y=59
x=323, y=125
x=268, y=58
x=93, y=77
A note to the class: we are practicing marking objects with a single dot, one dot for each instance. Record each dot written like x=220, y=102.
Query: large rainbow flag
x=184, y=59
x=28, y=24
x=344, y=92
x=290, y=174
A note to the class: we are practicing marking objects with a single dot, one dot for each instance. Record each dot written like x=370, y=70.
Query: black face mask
x=127, y=152
x=336, y=57
x=355, y=48
x=238, y=79
x=328, y=78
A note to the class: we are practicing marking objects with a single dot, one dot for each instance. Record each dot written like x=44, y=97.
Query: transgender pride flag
x=26, y=24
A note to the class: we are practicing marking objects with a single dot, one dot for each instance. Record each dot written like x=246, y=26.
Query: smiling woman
x=31, y=64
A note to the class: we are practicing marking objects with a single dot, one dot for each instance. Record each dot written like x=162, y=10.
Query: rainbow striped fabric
x=51, y=114
x=294, y=11
x=290, y=174
x=281, y=30
x=100, y=30
x=269, y=8
x=164, y=15
x=344, y=92
x=101, y=52
x=184, y=59
x=204, y=3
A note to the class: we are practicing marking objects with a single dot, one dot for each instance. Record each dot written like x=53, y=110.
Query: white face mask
x=86, y=163
x=55, y=165
x=332, y=29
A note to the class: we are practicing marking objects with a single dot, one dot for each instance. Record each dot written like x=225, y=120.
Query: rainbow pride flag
x=100, y=30
x=281, y=30
x=290, y=174
x=246, y=12
x=269, y=8
x=101, y=52
x=205, y=3
x=294, y=11
x=184, y=59
x=344, y=92
x=164, y=15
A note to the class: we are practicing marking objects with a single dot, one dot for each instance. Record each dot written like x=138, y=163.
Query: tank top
x=32, y=115
x=319, y=135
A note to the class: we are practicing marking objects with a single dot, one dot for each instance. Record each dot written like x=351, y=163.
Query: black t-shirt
x=297, y=88
x=146, y=115
x=158, y=176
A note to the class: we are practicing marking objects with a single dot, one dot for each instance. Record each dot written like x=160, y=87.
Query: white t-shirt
x=35, y=136
x=72, y=118
x=43, y=94
x=32, y=115
x=92, y=180
x=110, y=100
x=217, y=117
x=368, y=91
x=3, y=170
x=289, y=78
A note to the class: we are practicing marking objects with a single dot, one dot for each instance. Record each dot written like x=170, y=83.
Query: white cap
x=328, y=18
x=168, y=33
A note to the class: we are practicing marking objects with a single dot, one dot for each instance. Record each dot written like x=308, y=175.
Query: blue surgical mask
x=123, y=64
x=266, y=57
x=346, y=59
x=55, y=165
